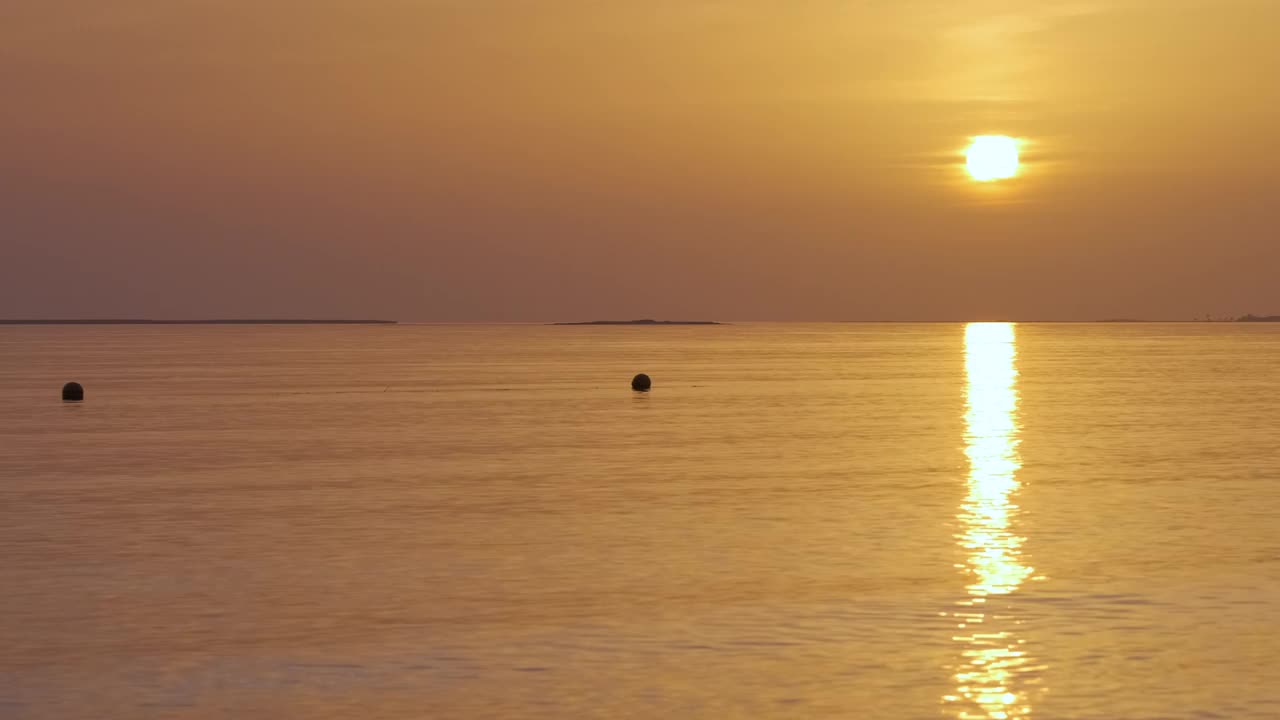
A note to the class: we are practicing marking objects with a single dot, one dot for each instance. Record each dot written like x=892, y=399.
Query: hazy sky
x=574, y=159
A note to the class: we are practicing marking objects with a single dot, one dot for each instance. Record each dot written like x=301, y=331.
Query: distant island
x=1245, y=318
x=114, y=321
x=642, y=322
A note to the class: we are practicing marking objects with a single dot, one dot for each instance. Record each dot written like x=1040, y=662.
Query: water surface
x=866, y=521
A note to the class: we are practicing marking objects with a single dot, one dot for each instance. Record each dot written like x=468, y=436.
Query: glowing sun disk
x=992, y=157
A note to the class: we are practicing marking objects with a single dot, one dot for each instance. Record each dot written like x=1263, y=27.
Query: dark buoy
x=641, y=383
x=72, y=392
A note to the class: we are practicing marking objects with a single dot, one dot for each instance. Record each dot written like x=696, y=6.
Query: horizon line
x=323, y=321
x=190, y=321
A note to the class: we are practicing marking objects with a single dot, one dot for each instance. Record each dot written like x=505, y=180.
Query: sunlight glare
x=992, y=157
x=992, y=656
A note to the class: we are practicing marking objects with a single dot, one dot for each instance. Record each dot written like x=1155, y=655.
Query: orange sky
x=572, y=159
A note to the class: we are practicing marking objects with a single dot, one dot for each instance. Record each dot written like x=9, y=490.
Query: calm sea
x=800, y=521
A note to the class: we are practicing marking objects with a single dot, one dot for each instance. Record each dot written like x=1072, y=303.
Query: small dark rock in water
x=641, y=383
x=72, y=392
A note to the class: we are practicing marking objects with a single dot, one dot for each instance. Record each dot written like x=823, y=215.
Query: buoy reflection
x=992, y=655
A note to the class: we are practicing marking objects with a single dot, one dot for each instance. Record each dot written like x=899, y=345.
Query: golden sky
x=570, y=159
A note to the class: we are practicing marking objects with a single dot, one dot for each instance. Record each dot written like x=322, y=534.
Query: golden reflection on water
x=987, y=676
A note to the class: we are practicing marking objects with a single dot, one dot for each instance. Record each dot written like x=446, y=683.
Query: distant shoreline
x=642, y=322
x=197, y=322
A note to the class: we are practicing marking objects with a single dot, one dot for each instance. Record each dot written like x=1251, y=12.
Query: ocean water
x=858, y=521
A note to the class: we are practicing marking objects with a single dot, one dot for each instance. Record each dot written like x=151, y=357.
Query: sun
x=992, y=157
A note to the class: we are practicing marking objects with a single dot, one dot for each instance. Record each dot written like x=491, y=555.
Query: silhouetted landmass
x=197, y=322
x=1259, y=318
x=642, y=322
